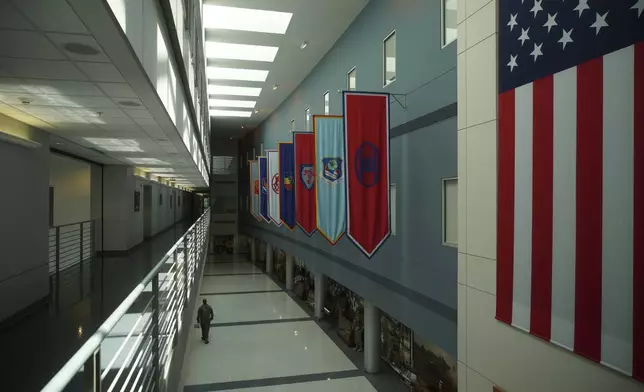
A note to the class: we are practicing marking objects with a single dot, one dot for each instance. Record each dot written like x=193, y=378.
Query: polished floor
x=262, y=340
x=35, y=348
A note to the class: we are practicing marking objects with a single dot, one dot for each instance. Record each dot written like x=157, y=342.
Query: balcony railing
x=133, y=349
x=71, y=250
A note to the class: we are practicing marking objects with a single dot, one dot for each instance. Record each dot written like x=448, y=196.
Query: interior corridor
x=264, y=339
x=41, y=343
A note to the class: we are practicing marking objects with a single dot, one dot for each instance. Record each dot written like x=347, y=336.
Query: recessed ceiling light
x=230, y=103
x=242, y=127
x=220, y=50
x=115, y=145
x=253, y=75
x=147, y=161
x=231, y=138
x=229, y=113
x=245, y=19
x=304, y=45
x=256, y=111
x=215, y=89
x=275, y=87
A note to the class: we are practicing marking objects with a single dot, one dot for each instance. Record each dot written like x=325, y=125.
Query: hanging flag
x=274, y=186
x=287, y=184
x=366, y=124
x=304, y=143
x=570, y=223
x=254, y=189
x=263, y=194
x=329, y=182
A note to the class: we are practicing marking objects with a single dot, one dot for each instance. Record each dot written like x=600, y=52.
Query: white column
x=253, y=250
x=320, y=294
x=289, y=272
x=269, y=258
x=371, y=338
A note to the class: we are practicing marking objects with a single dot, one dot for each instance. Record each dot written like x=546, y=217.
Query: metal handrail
x=196, y=235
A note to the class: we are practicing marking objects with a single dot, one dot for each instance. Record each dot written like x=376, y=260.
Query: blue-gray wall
x=413, y=276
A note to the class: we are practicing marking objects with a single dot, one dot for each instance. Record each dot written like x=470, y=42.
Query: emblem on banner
x=367, y=164
x=264, y=185
x=331, y=171
x=307, y=175
x=257, y=187
x=288, y=181
x=275, y=183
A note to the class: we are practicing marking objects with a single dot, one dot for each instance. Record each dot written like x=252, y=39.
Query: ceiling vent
x=78, y=48
x=130, y=104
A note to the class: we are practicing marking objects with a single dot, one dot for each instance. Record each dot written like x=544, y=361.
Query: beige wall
x=489, y=352
x=71, y=179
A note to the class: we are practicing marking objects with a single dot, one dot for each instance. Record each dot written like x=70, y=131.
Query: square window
x=351, y=79
x=450, y=211
x=448, y=16
x=307, y=118
x=389, y=58
x=326, y=103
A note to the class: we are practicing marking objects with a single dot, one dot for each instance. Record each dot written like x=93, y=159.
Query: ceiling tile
x=41, y=69
x=117, y=90
x=138, y=113
x=101, y=72
x=64, y=87
x=12, y=85
x=107, y=121
x=28, y=44
x=10, y=18
x=120, y=128
x=79, y=47
x=51, y=15
x=94, y=102
x=146, y=121
x=105, y=113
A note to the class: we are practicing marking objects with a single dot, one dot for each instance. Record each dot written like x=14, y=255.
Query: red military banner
x=304, y=143
x=366, y=125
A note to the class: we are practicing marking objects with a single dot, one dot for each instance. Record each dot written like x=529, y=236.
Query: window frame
x=443, y=210
x=445, y=44
x=352, y=70
x=385, y=81
x=327, y=102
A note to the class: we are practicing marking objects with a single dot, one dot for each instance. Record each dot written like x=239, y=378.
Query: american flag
x=570, y=234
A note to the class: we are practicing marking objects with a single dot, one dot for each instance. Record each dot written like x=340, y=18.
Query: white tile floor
x=280, y=353
x=237, y=283
x=230, y=268
x=254, y=307
x=353, y=384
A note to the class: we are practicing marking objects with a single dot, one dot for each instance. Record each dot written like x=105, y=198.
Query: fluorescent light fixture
x=220, y=50
x=230, y=103
x=147, y=161
x=253, y=75
x=115, y=145
x=215, y=89
x=229, y=113
x=245, y=19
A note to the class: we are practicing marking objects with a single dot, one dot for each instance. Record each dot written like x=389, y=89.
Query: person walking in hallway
x=205, y=315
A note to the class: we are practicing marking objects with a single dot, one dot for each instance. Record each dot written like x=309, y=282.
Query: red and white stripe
x=571, y=209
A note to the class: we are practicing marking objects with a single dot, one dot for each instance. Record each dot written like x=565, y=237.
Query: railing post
x=92, y=373
x=81, y=260
x=185, y=262
x=57, y=304
x=155, y=332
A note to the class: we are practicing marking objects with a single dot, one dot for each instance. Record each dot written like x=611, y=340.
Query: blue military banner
x=263, y=189
x=330, y=177
x=287, y=184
